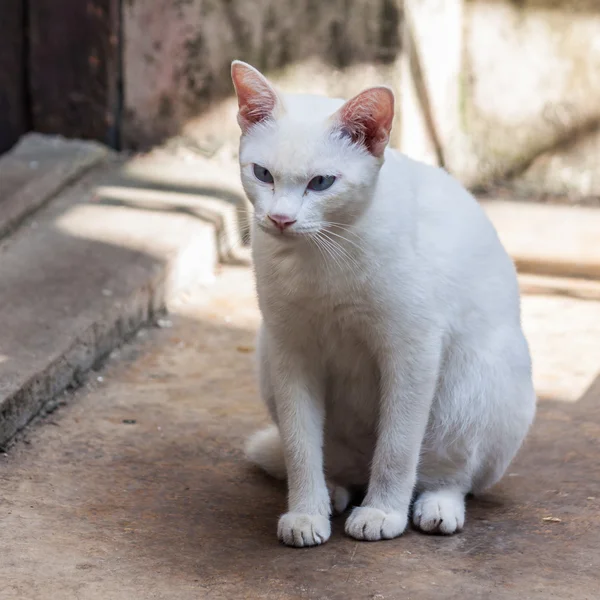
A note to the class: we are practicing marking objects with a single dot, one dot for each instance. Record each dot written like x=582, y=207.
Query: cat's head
x=308, y=162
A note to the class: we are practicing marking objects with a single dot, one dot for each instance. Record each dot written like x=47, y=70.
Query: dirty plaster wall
x=532, y=86
x=177, y=55
x=514, y=89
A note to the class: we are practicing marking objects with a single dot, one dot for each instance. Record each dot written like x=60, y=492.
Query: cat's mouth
x=287, y=234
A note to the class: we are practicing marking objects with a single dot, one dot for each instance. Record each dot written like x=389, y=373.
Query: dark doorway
x=60, y=69
x=14, y=110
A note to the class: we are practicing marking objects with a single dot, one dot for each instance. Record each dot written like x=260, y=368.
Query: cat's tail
x=264, y=450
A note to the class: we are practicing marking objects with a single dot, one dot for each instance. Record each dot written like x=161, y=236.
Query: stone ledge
x=101, y=259
x=36, y=169
x=544, y=239
x=568, y=287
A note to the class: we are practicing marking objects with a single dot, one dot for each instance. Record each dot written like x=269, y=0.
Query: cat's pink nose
x=281, y=221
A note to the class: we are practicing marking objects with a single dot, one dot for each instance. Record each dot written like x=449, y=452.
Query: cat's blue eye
x=321, y=182
x=263, y=174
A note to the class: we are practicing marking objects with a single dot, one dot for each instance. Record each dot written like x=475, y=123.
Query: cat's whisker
x=340, y=260
x=341, y=250
x=228, y=248
x=326, y=245
x=345, y=228
x=315, y=241
x=344, y=264
x=356, y=245
x=346, y=260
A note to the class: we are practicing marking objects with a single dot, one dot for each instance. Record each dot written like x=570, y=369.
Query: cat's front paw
x=299, y=529
x=372, y=524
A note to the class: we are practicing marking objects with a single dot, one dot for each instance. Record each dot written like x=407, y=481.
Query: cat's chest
x=330, y=308
x=324, y=309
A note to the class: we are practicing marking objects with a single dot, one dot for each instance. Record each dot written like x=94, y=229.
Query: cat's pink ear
x=257, y=100
x=367, y=119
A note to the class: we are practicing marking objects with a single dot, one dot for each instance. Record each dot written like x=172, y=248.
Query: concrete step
x=571, y=287
x=108, y=254
x=36, y=169
x=553, y=240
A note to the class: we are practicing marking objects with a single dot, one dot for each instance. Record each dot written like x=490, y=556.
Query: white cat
x=391, y=354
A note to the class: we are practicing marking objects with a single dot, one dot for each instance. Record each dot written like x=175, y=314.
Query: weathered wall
x=178, y=53
x=532, y=79
x=571, y=169
x=508, y=81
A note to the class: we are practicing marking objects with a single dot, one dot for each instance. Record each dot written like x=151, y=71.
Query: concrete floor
x=136, y=488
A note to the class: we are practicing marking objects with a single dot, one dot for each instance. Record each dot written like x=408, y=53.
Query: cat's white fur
x=391, y=354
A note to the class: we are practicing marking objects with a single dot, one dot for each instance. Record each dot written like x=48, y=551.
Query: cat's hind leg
x=481, y=413
x=440, y=511
x=443, y=482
